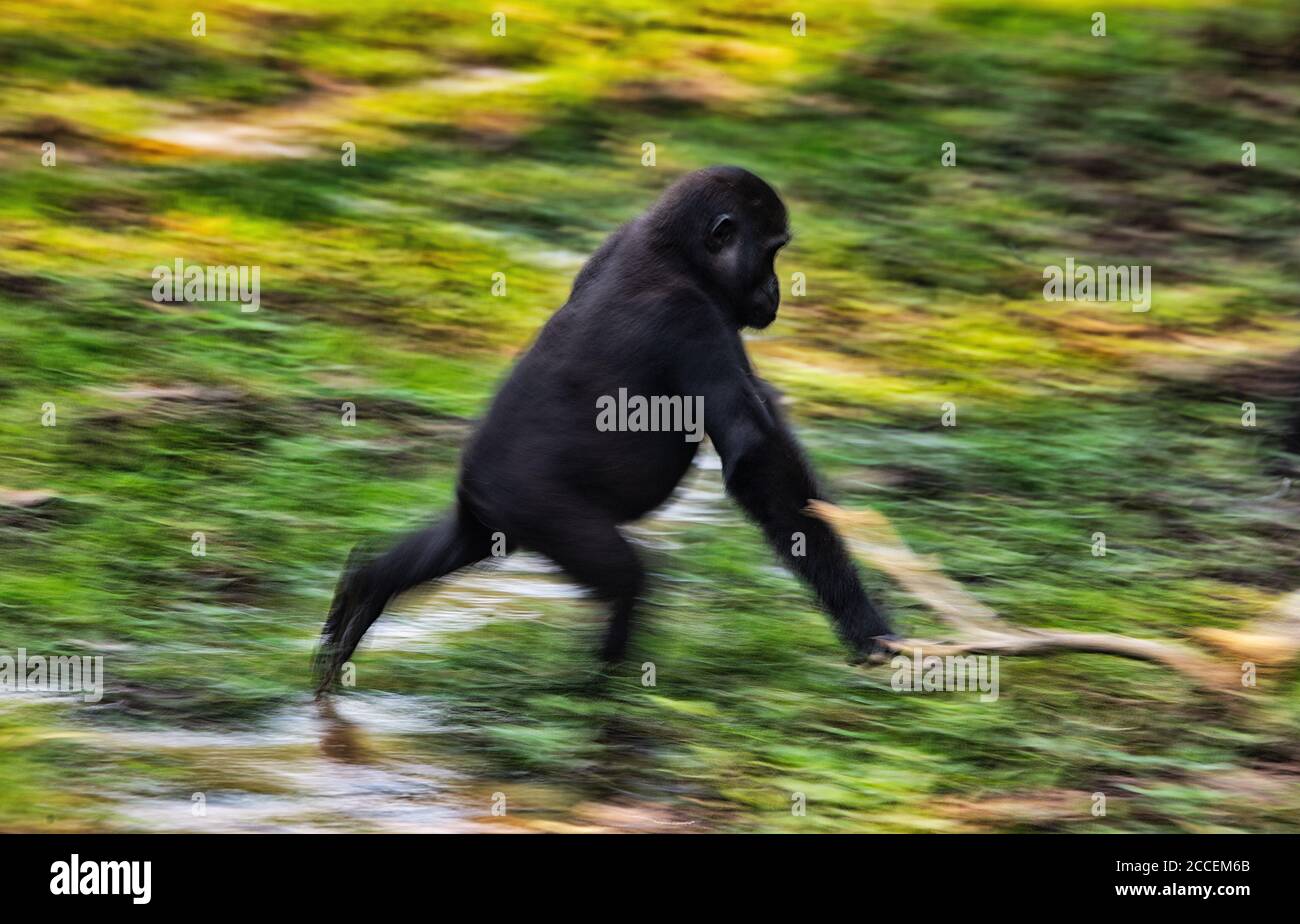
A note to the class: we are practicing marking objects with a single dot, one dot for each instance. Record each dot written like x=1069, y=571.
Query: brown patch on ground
x=606, y=818
x=1272, y=641
x=109, y=210
x=171, y=393
x=696, y=90
x=25, y=500
x=24, y=286
x=1048, y=808
x=1091, y=324
x=297, y=129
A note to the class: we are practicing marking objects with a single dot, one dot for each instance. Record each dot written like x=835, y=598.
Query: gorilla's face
x=743, y=249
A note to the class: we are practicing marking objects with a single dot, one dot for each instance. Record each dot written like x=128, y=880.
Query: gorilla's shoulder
x=687, y=311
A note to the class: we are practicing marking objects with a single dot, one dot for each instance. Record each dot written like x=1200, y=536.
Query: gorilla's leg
x=594, y=553
x=368, y=584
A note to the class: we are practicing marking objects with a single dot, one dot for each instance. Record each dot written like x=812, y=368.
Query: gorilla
x=656, y=311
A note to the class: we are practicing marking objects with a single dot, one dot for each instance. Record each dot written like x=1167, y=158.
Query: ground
x=478, y=154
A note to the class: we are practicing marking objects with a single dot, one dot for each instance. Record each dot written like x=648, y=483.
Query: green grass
x=924, y=286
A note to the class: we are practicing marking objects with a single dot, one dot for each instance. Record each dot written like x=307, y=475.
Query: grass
x=923, y=286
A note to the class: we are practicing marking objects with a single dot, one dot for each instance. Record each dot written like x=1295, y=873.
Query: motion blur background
x=478, y=154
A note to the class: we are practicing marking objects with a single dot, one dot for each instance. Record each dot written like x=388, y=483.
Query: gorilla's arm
x=768, y=475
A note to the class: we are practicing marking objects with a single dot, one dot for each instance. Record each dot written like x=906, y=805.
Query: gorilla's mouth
x=763, y=309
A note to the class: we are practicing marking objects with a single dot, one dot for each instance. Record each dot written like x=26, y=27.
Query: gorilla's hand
x=878, y=650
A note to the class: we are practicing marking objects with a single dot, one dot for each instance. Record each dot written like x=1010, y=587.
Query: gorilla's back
x=542, y=426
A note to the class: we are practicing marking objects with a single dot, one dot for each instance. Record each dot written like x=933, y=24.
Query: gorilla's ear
x=721, y=232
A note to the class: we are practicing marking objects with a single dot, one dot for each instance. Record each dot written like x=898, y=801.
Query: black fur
x=657, y=310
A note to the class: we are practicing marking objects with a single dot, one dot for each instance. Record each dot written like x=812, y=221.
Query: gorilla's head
x=729, y=225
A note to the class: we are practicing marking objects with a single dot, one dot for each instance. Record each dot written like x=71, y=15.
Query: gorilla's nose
x=774, y=293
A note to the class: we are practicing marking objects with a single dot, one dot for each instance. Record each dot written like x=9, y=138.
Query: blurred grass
x=519, y=154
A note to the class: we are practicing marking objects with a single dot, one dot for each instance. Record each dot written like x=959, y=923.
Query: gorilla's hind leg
x=595, y=554
x=368, y=584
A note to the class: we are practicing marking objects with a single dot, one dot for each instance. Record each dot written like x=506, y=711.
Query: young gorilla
x=657, y=310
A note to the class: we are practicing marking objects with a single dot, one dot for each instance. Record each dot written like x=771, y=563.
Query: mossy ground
x=478, y=155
